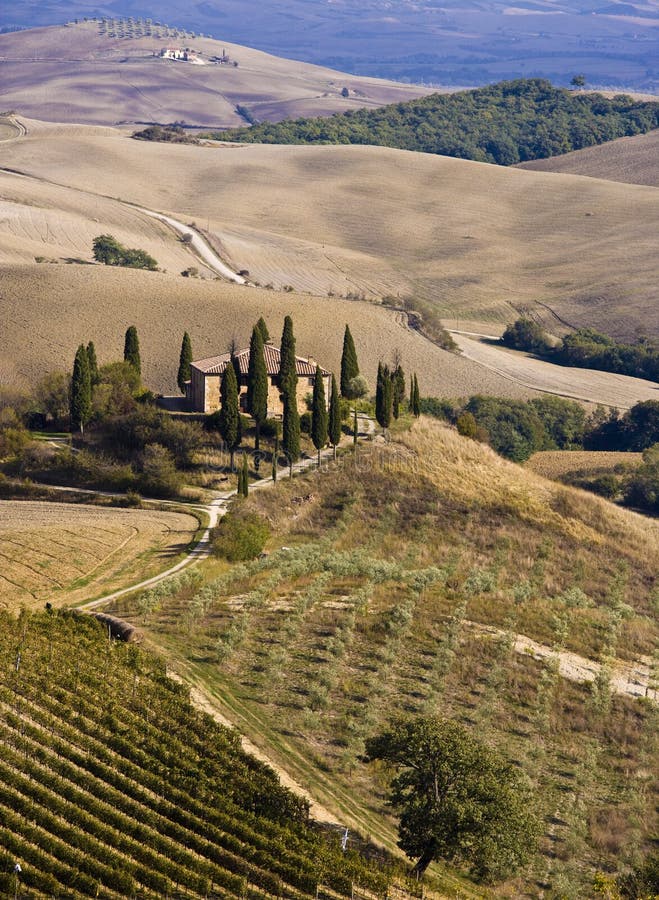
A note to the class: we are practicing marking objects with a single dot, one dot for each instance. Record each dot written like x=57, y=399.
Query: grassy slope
x=634, y=160
x=75, y=74
x=480, y=242
x=379, y=607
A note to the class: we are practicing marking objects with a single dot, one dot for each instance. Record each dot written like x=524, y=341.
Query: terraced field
x=63, y=553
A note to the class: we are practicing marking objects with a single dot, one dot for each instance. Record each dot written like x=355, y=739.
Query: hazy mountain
x=458, y=42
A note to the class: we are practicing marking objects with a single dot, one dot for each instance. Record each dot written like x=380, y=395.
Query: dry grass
x=586, y=385
x=480, y=242
x=98, y=303
x=556, y=463
x=66, y=554
x=634, y=160
x=107, y=80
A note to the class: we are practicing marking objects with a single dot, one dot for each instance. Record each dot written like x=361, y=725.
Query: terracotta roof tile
x=215, y=365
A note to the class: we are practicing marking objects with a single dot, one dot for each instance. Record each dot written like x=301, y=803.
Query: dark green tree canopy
x=291, y=429
x=458, y=799
x=93, y=363
x=398, y=386
x=230, y=423
x=416, y=399
x=319, y=419
x=383, y=396
x=80, y=407
x=334, y=420
x=132, y=349
x=287, y=369
x=109, y=251
x=263, y=328
x=257, y=378
x=185, y=358
x=349, y=364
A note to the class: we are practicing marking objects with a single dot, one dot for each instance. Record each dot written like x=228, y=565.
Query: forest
x=504, y=123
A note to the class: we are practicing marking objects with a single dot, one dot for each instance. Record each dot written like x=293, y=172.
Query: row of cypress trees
x=390, y=394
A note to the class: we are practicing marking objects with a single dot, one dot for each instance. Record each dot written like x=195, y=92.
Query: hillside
x=463, y=42
x=502, y=123
x=113, y=785
x=634, y=160
x=433, y=576
x=81, y=73
x=480, y=243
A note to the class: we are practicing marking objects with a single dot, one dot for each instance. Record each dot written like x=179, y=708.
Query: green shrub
x=240, y=536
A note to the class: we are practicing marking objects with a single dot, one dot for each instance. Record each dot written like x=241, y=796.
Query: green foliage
x=240, y=535
x=159, y=477
x=172, y=134
x=130, y=435
x=185, y=358
x=291, y=429
x=243, y=478
x=438, y=407
x=334, y=419
x=383, y=397
x=132, y=349
x=287, y=365
x=515, y=430
x=52, y=395
x=110, y=252
x=564, y=421
x=116, y=391
x=642, y=487
x=525, y=334
x=637, y=429
x=415, y=405
x=80, y=407
x=257, y=384
x=457, y=798
x=93, y=363
x=398, y=389
x=503, y=123
x=263, y=328
x=349, y=365
x=229, y=420
x=467, y=425
x=319, y=417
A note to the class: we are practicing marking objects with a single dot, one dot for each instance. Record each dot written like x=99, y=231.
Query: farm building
x=184, y=54
x=203, y=389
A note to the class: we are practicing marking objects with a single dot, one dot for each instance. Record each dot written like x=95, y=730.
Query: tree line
x=586, y=348
x=504, y=123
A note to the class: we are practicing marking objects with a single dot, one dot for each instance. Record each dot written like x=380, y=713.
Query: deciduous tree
x=458, y=799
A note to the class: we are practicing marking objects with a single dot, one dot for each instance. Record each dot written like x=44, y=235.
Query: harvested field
x=634, y=160
x=98, y=303
x=106, y=80
x=479, y=242
x=66, y=554
x=556, y=463
x=587, y=385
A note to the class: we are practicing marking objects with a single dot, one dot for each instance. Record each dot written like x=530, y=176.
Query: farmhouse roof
x=215, y=365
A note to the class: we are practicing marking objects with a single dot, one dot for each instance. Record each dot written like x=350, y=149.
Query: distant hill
x=455, y=42
x=504, y=123
x=634, y=160
x=111, y=72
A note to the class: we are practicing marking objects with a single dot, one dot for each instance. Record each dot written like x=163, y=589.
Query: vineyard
x=401, y=587
x=112, y=785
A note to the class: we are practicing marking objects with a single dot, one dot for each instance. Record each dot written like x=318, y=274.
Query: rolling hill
x=633, y=160
x=430, y=576
x=81, y=73
x=479, y=243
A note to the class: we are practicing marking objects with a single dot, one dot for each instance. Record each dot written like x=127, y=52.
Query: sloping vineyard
x=113, y=785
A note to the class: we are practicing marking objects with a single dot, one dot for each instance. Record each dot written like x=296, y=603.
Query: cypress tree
x=349, y=364
x=287, y=369
x=93, y=363
x=383, y=397
x=416, y=400
x=263, y=328
x=334, y=422
x=184, y=361
x=398, y=385
x=319, y=419
x=132, y=349
x=80, y=398
x=257, y=387
x=291, y=429
x=230, y=424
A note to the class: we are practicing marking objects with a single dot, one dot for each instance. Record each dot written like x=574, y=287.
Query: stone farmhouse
x=203, y=389
x=183, y=54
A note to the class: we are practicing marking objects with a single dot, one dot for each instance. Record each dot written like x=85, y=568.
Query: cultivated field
x=66, y=554
x=98, y=303
x=556, y=463
x=634, y=160
x=587, y=385
x=479, y=242
x=74, y=74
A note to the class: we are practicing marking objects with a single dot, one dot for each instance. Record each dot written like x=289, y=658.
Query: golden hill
x=481, y=243
x=633, y=160
x=75, y=73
